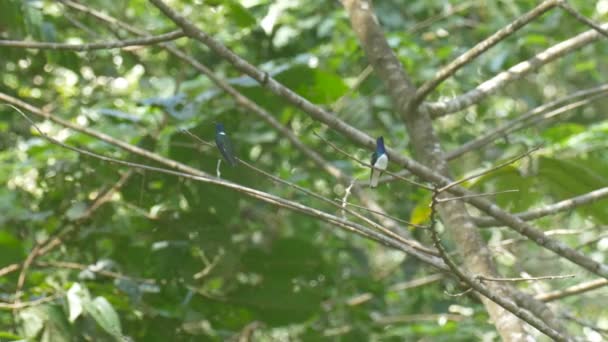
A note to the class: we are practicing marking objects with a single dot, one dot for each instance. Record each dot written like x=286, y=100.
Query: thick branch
x=379, y=53
x=250, y=106
x=497, y=296
x=260, y=195
x=428, y=150
x=363, y=139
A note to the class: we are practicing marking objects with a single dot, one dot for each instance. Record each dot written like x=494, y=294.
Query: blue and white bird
x=379, y=162
x=224, y=145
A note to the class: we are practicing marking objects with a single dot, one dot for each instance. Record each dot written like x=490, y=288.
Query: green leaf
x=76, y=295
x=44, y=323
x=104, y=314
x=239, y=14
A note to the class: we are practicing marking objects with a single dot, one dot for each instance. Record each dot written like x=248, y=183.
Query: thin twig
x=492, y=169
x=458, y=294
x=441, y=108
x=592, y=241
x=518, y=123
x=209, y=267
x=94, y=46
x=552, y=277
x=332, y=145
x=382, y=214
x=485, y=194
x=23, y=305
x=572, y=290
x=503, y=301
x=26, y=264
x=585, y=323
x=347, y=193
x=266, y=197
x=550, y=209
x=416, y=282
x=218, y=173
x=82, y=267
x=412, y=243
x=576, y=14
x=478, y=49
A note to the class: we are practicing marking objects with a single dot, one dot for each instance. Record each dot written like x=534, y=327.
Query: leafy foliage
x=171, y=259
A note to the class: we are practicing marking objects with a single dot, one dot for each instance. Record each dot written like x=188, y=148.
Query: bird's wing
x=373, y=177
x=225, y=146
x=374, y=158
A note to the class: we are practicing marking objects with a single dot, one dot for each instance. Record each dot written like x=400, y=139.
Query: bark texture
x=471, y=247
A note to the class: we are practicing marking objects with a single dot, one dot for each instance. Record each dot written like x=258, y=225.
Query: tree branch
x=266, y=197
x=551, y=209
x=152, y=40
x=549, y=109
x=361, y=138
x=499, y=298
x=438, y=109
x=480, y=48
x=572, y=290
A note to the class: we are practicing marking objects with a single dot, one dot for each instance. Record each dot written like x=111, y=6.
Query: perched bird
x=379, y=161
x=224, y=145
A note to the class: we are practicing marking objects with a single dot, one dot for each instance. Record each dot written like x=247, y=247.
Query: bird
x=379, y=162
x=224, y=145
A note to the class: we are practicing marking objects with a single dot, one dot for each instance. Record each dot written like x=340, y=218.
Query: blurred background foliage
x=192, y=261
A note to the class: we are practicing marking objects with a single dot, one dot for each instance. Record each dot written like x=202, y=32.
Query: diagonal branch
x=546, y=109
x=572, y=290
x=578, y=16
x=152, y=40
x=363, y=139
x=480, y=48
x=251, y=106
x=551, y=209
x=500, y=299
x=265, y=197
x=438, y=109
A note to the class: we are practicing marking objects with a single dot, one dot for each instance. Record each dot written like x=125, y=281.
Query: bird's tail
x=373, y=181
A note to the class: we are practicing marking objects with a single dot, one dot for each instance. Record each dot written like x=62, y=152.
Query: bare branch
x=23, y=305
x=385, y=320
x=438, y=109
x=414, y=244
x=511, y=126
x=446, y=199
x=263, y=196
x=332, y=145
x=478, y=49
x=382, y=214
x=152, y=40
x=485, y=172
x=512, y=221
x=576, y=14
x=500, y=299
x=572, y=290
x=239, y=98
x=512, y=280
x=101, y=136
x=76, y=266
x=551, y=209
x=380, y=55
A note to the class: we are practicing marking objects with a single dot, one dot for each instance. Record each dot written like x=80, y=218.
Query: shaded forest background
x=93, y=250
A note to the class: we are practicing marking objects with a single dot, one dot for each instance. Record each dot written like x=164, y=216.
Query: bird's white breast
x=382, y=162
